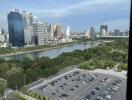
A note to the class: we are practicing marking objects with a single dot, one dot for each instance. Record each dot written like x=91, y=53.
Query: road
x=46, y=81
x=26, y=97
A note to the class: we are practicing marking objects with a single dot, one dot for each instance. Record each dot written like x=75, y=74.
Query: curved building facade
x=57, y=30
x=16, y=29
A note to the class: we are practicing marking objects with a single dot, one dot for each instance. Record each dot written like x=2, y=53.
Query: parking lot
x=83, y=85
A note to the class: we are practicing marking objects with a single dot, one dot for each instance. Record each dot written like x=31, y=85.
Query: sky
x=80, y=15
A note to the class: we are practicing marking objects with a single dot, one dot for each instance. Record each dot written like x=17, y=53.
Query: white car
x=108, y=97
x=100, y=98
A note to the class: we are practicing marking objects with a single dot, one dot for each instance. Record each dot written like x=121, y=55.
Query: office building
x=39, y=33
x=57, y=31
x=2, y=36
x=16, y=29
x=28, y=33
x=50, y=32
x=104, y=30
x=87, y=34
x=90, y=33
x=116, y=32
x=68, y=31
x=27, y=18
x=30, y=16
x=2, y=31
x=28, y=30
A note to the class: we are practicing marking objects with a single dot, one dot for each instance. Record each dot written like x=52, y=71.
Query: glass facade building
x=16, y=29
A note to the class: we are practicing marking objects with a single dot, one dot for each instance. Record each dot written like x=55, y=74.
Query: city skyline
x=64, y=50
x=80, y=15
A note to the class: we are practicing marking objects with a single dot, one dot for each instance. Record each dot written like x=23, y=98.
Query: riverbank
x=43, y=49
x=29, y=70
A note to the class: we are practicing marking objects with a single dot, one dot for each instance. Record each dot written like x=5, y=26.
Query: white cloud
x=88, y=5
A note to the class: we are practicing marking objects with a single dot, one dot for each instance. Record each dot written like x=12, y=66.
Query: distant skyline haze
x=78, y=14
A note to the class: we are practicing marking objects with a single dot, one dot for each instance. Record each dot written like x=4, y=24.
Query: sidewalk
x=110, y=72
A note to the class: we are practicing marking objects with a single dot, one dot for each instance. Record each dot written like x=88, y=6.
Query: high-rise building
x=57, y=31
x=3, y=39
x=28, y=30
x=87, y=34
x=104, y=30
x=27, y=18
x=16, y=29
x=90, y=33
x=28, y=33
x=39, y=33
x=2, y=31
x=68, y=31
x=30, y=16
x=116, y=32
x=2, y=36
x=50, y=32
x=24, y=17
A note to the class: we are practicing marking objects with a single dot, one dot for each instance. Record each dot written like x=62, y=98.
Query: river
x=52, y=53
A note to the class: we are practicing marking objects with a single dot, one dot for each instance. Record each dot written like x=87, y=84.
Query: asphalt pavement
x=83, y=85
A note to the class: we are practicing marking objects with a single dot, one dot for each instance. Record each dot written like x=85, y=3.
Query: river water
x=52, y=53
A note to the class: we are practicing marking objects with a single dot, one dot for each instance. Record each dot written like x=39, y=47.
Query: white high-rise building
x=68, y=31
x=90, y=33
x=27, y=18
x=50, y=33
x=3, y=39
x=28, y=32
x=87, y=34
x=2, y=36
x=39, y=33
x=104, y=32
x=28, y=29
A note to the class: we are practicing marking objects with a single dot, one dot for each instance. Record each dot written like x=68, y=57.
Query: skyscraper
x=2, y=36
x=90, y=33
x=87, y=34
x=2, y=31
x=16, y=29
x=28, y=29
x=57, y=31
x=27, y=18
x=30, y=16
x=49, y=32
x=28, y=33
x=103, y=30
x=68, y=31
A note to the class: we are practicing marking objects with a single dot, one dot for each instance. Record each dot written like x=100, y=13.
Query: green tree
x=4, y=67
x=15, y=77
x=33, y=74
x=3, y=85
